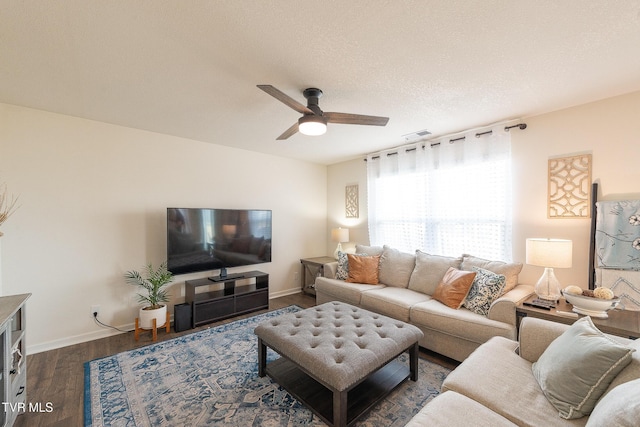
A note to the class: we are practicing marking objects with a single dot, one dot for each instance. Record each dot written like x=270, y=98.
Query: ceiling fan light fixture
x=312, y=125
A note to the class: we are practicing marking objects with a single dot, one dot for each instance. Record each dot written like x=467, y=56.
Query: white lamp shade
x=554, y=253
x=340, y=235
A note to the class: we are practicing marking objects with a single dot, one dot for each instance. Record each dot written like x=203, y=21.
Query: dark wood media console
x=227, y=299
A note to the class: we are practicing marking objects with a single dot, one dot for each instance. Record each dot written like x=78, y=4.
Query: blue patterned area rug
x=210, y=377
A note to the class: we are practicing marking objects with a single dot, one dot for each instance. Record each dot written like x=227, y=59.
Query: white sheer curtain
x=445, y=198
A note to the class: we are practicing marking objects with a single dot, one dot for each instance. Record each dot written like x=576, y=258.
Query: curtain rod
x=520, y=126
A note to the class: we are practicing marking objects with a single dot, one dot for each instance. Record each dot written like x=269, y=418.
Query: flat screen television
x=211, y=239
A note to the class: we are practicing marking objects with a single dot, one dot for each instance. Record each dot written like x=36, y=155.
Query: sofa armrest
x=504, y=308
x=330, y=269
x=536, y=335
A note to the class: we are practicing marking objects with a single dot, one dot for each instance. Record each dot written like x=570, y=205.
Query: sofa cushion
x=340, y=290
x=510, y=270
x=363, y=269
x=460, y=323
x=396, y=267
x=452, y=409
x=454, y=287
x=429, y=271
x=485, y=289
x=392, y=302
x=620, y=407
x=578, y=366
x=496, y=377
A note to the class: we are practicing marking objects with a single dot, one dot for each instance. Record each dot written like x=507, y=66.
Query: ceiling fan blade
x=289, y=132
x=355, y=119
x=285, y=99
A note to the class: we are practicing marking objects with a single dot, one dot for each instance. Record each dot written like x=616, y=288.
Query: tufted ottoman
x=338, y=359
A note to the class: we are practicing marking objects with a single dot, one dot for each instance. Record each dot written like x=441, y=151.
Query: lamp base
x=548, y=287
x=338, y=249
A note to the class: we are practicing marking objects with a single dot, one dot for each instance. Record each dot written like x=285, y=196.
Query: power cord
x=95, y=318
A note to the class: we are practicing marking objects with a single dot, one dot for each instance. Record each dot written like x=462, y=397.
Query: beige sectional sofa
x=406, y=283
x=495, y=386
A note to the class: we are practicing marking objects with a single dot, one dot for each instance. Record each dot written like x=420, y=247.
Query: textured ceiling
x=190, y=68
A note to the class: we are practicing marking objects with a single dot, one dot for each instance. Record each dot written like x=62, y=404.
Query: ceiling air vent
x=416, y=135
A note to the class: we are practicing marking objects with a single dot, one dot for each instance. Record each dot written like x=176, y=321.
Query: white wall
x=93, y=199
x=341, y=175
x=608, y=129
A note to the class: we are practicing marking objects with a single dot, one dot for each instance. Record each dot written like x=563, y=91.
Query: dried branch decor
x=7, y=204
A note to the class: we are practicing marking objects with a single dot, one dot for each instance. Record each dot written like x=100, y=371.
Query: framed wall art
x=351, y=204
x=569, y=187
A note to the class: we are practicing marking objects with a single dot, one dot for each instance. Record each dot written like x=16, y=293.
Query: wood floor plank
x=57, y=376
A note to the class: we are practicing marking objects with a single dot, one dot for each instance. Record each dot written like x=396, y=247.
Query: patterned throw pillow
x=486, y=288
x=342, y=272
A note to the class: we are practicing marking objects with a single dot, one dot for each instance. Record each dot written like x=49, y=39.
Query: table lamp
x=340, y=235
x=550, y=254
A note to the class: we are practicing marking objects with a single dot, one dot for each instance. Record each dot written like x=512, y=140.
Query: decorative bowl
x=589, y=306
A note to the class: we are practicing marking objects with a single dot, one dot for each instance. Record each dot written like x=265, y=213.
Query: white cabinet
x=13, y=375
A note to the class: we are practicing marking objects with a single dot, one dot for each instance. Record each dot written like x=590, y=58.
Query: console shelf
x=13, y=365
x=217, y=299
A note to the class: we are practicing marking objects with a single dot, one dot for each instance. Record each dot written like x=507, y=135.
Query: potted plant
x=155, y=293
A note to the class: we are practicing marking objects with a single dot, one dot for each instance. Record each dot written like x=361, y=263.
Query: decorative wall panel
x=352, y=209
x=569, y=187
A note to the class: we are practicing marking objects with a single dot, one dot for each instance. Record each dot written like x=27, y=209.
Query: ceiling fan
x=314, y=120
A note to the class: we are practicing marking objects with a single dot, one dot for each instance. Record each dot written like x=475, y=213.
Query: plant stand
x=154, y=328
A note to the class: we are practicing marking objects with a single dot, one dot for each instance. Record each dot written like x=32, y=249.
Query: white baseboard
x=285, y=293
x=108, y=332
x=77, y=339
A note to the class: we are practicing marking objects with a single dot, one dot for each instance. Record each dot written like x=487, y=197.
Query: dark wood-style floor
x=55, y=378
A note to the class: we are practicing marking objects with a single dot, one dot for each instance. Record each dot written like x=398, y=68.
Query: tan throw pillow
x=363, y=269
x=396, y=267
x=509, y=270
x=454, y=287
x=429, y=271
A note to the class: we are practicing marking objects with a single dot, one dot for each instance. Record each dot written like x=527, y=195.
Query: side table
x=312, y=268
x=624, y=323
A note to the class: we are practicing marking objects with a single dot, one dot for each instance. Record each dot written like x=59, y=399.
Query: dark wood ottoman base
x=354, y=366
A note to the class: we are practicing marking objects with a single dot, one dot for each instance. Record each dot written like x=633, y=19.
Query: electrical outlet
x=95, y=309
x=296, y=276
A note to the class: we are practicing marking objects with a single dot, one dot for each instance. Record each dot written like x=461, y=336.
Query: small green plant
x=154, y=284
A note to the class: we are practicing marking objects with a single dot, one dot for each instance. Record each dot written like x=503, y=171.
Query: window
x=445, y=199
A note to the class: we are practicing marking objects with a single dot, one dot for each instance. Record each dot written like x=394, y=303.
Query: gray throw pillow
x=396, y=267
x=578, y=366
x=429, y=271
x=509, y=270
x=485, y=289
x=369, y=250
